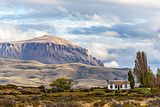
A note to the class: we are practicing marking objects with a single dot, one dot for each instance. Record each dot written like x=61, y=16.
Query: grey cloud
x=129, y=30
x=40, y=27
x=86, y=21
x=125, y=30
x=88, y=30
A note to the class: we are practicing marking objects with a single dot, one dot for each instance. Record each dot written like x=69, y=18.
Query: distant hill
x=33, y=73
x=49, y=50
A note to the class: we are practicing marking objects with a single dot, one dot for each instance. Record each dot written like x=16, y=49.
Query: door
x=118, y=87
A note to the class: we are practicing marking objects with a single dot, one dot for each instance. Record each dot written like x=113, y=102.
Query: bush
x=156, y=91
x=99, y=104
x=71, y=90
x=115, y=105
x=98, y=94
x=62, y=83
x=107, y=90
x=154, y=103
x=27, y=92
x=84, y=90
x=7, y=103
x=91, y=89
x=8, y=86
x=57, y=89
x=66, y=104
x=42, y=88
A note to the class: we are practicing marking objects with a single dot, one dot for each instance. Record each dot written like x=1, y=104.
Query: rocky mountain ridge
x=49, y=50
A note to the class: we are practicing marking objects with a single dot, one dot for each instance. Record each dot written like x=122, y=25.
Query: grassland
x=32, y=73
x=11, y=96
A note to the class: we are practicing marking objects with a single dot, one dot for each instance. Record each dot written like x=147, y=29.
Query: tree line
x=143, y=74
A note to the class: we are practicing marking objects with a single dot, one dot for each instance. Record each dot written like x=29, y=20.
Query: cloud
x=99, y=50
x=3, y=13
x=10, y=32
x=111, y=34
x=108, y=19
x=131, y=30
x=112, y=64
x=88, y=30
x=27, y=2
x=38, y=27
x=112, y=30
x=147, y=4
x=38, y=1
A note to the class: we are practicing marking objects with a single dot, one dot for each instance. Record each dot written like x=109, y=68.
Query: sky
x=112, y=30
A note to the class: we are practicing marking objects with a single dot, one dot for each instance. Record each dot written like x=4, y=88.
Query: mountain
x=48, y=50
x=33, y=73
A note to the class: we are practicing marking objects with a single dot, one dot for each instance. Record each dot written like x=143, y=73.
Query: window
x=111, y=86
x=125, y=85
x=120, y=86
x=115, y=86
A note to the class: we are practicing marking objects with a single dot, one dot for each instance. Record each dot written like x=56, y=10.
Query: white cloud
x=112, y=64
x=110, y=34
x=108, y=19
x=109, y=46
x=113, y=48
x=9, y=32
x=62, y=9
x=4, y=13
x=38, y=1
x=99, y=50
x=150, y=4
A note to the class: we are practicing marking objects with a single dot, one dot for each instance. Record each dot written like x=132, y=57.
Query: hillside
x=32, y=73
x=48, y=50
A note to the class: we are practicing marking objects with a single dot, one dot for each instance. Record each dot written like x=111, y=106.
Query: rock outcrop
x=48, y=50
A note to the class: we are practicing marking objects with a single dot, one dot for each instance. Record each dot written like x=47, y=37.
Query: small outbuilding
x=137, y=85
x=118, y=85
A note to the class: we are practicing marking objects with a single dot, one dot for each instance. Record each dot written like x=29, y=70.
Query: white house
x=137, y=85
x=118, y=85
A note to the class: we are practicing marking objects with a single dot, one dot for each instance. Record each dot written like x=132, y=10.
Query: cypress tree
x=141, y=68
x=131, y=79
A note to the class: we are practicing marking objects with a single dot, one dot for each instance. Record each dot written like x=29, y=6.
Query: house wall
x=121, y=88
x=113, y=87
x=126, y=88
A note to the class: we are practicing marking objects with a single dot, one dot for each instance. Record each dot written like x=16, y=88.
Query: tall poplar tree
x=131, y=79
x=141, y=68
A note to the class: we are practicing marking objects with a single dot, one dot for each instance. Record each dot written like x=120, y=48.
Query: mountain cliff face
x=48, y=50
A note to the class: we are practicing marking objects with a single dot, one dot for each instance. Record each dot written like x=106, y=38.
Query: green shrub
x=71, y=90
x=107, y=90
x=66, y=104
x=84, y=90
x=8, y=86
x=7, y=102
x=99, y=104
x=57, y=89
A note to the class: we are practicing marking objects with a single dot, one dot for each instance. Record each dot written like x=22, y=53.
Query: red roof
x=118, y=82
